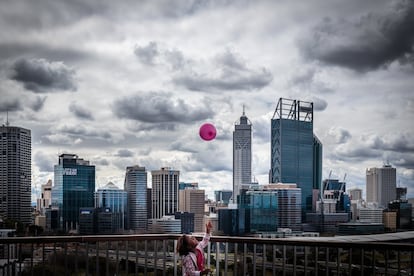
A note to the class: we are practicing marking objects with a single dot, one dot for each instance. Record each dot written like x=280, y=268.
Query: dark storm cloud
x=340, y=135
x=75, y=134
x=80, y=111
x=175, y=58
x=41, y=76
x=44, y=162
x=10, y=104
x=373, y=41
x=307, y=80
x=226, y=81
x=399, y=142
x=160, y=107
x=37, y=103
x=406, y=161
x=319, y=104
x=157, y=54
x=124, y=153
x=17, y=50
x=229, y=73
x=41, y=14
x=147, y=54
x=355, y=153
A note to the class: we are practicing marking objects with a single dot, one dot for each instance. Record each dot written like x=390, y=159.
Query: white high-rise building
x=45, y=200
x=136, y=187
x=355, y=194
x=242, y=154
x=165, y=183
x=15, y=173
x=381, y=185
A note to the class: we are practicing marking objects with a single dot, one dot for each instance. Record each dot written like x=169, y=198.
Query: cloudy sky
x=121, y=83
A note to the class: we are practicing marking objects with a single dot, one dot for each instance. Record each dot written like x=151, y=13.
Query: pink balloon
x=207, y=132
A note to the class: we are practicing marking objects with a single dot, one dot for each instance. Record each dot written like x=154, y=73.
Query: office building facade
x=115, y=199
x=381, y=185
x=223, y=196
x=192, y=200
x=136, y=187
x=45, y=199
x=15, y=173
x=272, y=206
x=296, y=153
x=74, y=187
x=165, y=183
x=242, y=154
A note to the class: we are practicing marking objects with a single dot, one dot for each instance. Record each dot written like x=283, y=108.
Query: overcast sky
x=122, y=83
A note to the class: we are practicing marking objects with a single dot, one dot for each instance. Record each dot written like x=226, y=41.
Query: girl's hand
x=209, y=226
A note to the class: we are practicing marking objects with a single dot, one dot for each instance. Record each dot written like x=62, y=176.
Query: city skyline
x=126, y=83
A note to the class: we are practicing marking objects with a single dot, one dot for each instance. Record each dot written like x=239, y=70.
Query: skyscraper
x=242, y=154
x=164, y=192
x=74, y=188
x=15, y=173
x=192, y=200
x=110, y=196
x=381, y=185
x=136, y=187
x=296, y=153
x=45, y=199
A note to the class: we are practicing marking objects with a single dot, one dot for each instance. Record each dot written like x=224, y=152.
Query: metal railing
x=152, y=254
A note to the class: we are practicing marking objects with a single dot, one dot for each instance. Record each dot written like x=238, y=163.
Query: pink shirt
x=189, y=262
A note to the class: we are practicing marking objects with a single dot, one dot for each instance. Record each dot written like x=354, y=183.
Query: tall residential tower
x=381, y=185
x=242, y=154
x=165, y=184
x=15, y=173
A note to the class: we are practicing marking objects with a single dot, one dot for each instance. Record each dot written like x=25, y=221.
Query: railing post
x=217, y=258
x=244, y=258
x=146, y=257
x=236, y=258
x=284, y=260
x=362, y=261
x=127, y=258
x=294, y=260
x=264, y=259
x=175, y=257
x=226, y=245
x=107, y=257
x=97, y=257
x=87, y=258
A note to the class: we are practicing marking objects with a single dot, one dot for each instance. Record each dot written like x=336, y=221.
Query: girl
x=192, y=253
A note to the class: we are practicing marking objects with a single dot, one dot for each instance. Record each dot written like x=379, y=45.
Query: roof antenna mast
x=7, y=118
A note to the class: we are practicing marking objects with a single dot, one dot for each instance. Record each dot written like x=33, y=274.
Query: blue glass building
x=115, y=199
x=296, y=153
x=74, y=188
x=136, y=187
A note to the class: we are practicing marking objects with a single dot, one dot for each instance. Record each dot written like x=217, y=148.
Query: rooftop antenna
x=244, y=107
x=7, y=118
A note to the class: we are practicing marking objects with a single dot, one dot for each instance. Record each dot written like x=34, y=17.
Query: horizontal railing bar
x=248, y=240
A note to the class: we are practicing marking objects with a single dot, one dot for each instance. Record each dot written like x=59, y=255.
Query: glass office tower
x=15, y=173
x=74, y=188
x=296, y=153
x=115, y=199
x=136, y=186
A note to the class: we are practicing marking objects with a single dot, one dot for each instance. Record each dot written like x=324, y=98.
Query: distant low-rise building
x=165, y=225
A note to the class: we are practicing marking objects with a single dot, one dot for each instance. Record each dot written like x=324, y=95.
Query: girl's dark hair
x=182, y=246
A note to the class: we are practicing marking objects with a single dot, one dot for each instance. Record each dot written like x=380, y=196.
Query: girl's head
x=186, y=244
